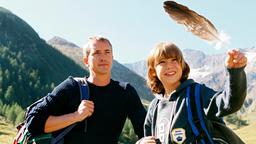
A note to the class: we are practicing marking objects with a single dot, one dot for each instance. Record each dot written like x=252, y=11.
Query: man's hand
x=84, y=110
x=235, y=59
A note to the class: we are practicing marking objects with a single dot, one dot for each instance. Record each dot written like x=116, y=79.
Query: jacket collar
x=180, y=88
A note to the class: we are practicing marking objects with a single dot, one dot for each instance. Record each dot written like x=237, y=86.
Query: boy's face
x=100, y=58
x=169, y=72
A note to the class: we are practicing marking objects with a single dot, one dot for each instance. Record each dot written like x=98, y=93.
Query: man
x=110, y=103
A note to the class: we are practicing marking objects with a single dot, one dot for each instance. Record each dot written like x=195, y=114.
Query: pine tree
x=9, y=94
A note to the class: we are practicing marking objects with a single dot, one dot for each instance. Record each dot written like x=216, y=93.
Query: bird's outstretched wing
x=197, y=24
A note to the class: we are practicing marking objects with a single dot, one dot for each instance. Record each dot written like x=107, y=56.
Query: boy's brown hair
x=164, y=50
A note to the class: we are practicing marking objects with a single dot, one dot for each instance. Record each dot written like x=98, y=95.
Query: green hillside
x=29, y=67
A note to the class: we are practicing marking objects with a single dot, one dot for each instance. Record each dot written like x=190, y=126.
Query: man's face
x=100, y=58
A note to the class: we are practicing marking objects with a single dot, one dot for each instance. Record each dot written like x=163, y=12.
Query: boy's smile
x=169, y=72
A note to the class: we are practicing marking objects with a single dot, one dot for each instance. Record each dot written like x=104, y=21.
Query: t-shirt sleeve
x=136, y=111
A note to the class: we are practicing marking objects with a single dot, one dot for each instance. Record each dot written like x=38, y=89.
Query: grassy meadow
x=7, y=132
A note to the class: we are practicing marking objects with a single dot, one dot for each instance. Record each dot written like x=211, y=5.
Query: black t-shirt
x=112, y=105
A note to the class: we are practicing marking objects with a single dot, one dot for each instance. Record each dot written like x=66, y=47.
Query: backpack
x=200, y=125
x=220, y=133
x=24, y=137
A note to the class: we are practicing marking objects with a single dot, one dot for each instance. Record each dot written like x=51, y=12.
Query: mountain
x=119, y=72
x=29, y=67
x=68, y=49
x=138, y=67
x=212, y=73
x=209, y=69
x=58, y=41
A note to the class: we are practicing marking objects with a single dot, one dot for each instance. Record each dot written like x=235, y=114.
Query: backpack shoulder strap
x=84, y=95
x=123, y=84
x=189, y=112
x=84, y=89
x=195, y=113
x=57, y=139
x=200, y=112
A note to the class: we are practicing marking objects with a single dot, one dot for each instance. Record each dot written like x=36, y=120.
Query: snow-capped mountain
x=209, y=69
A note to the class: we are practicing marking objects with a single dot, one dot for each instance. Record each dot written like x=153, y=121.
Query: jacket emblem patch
x=178, y=135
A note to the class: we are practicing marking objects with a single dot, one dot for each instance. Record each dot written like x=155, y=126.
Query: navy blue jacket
x=171, y=115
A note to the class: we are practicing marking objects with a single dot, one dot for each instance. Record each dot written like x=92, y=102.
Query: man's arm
x=56, y=108
x=54, y=123
x=136, y=112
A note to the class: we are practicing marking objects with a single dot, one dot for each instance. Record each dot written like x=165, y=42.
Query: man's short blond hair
x=88, y=45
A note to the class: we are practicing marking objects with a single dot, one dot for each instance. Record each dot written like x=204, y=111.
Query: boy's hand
x=235, y=59
x=148, y=140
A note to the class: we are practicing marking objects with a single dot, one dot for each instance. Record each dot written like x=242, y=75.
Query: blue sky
x=135, y=26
